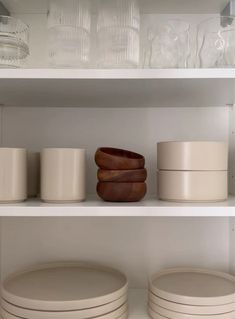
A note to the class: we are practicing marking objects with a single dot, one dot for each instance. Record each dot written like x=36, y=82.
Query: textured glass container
x=229, y=52
x=118, y=26
x=14, y=39
x=69, y=25
x=215, y=44
x=169, y=45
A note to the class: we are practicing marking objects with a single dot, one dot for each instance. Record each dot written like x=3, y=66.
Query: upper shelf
x=147, y=6
x=117, y=88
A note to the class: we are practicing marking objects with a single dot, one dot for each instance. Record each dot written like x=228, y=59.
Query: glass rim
x=23, y=24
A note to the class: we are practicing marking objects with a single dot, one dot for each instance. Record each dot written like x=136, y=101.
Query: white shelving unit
x=150, y=207
x=133, y=109
x=119, y=88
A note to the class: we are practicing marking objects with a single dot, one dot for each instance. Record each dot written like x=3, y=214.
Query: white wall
x=137, y=246
x=137, y=129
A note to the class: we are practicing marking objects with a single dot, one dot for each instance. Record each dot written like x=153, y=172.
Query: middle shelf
x=117, y=88
x=94, y=207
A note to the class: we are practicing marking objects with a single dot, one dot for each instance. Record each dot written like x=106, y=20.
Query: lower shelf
x=94, y=207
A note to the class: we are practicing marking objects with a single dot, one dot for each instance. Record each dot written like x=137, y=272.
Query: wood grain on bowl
x=118, y=159
x=128, y=176
x=121, y=192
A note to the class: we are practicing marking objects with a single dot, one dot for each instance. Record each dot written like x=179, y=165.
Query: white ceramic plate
x=64, y=287
x=192, y=286
x=111, y=315
x=179, y=315
x=151, y=313
x=189, y=186
x=192, y=310
x=192, y=156
x=75, y=314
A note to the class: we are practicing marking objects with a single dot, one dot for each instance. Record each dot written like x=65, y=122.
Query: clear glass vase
x=69, y=26
x=118, y=38
x=14, y=42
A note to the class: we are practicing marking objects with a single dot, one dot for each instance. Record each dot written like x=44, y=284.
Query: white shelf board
x=117, y=88
x=94, y=207
x=147, y=6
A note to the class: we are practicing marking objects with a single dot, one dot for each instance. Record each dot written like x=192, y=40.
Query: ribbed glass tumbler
x=14, y=40
x=69, y=26
x=118, y=27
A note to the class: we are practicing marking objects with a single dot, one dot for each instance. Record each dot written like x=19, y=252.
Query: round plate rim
x=74, y=314
x=179, y=315
x=190, y=309
x=124, y=315
x=35, y=304
x=196, y=301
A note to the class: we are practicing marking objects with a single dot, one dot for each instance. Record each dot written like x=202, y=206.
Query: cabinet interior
x=138, y=246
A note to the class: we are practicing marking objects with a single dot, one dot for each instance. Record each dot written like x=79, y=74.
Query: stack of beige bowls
x=191, y=294
x=65, y=291
x=192, y=171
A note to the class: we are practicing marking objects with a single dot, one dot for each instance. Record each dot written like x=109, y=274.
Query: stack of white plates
x=191, y=294
x=65, y=291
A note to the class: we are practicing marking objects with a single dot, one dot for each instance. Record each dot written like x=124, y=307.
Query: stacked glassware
x=118, y=36
x=69, y=25
x=14, y=42
x=216, y=44
x=168, y=45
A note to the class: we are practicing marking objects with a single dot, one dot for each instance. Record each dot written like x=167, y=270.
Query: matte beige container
x=13, y=175
x=192, y=156
x=63, y=175
x=192, y=186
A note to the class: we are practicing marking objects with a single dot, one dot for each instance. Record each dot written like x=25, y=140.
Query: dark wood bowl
x=118, y=159
x=121, y=192
x=126, y=176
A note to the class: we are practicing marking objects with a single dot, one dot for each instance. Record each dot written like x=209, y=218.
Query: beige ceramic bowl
x=13, y=175
x=62, y=175
x=192, y=186
x=195, y=156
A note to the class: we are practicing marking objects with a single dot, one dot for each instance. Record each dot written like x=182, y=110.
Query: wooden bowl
x=128, y=176
x=118, y=159
x=121, y=192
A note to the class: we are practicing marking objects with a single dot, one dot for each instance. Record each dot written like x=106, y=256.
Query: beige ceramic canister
x=63, y=175
x=13, y=175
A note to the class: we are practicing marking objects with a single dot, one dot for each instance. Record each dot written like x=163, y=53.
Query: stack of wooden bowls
x=191, y=294
x=121, y=175
x=65, y=291
x=193, y=171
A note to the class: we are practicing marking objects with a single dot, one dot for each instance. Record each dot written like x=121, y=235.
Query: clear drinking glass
x=229, y=52
x=14, y=40
x=169, y=45
x=69, y=25
x=215, y=44
x=118, y=37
